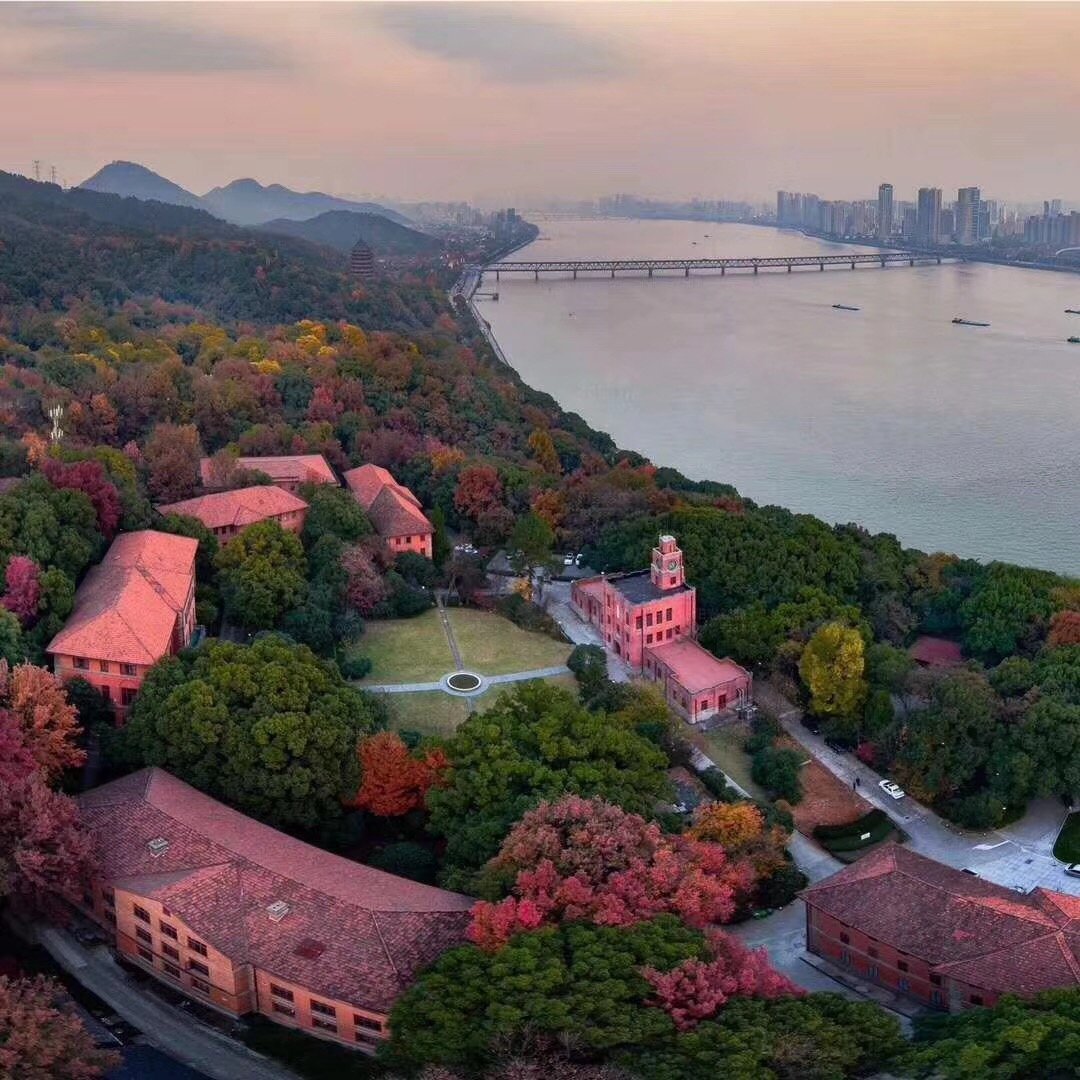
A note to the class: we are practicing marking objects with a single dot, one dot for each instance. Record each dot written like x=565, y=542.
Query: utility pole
x=37, y=170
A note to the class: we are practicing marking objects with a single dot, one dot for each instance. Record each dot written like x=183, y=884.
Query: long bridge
x=755, y=263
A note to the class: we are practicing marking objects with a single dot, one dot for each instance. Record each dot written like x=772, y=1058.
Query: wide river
x=955, y=438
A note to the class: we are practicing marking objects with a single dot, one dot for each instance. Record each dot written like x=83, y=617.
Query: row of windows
x=81, y=663
x=285, y=1001
x=662, y=635
x=168, y=930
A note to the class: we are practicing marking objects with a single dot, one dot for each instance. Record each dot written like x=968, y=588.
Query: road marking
x=990, y=847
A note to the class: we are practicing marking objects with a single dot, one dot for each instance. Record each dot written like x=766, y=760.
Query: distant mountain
x=247, y=202
x=137, y=181
x=341, y=229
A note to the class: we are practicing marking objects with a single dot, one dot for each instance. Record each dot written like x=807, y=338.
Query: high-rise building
x=946, y=225
x=884, y=212
x=928, y=217
x=968, y=204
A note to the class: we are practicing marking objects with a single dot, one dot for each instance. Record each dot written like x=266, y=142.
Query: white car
x=895, y=790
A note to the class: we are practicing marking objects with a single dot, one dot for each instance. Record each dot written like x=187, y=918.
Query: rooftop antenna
x=56, y=415
x=37, y=170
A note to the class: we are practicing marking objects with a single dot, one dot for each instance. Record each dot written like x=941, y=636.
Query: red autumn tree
x=394, y=781
x=741, y=830
x=696, y=990
x=90, y=478
x=39, y=1040
x=172, y=456
x=586, y=859
x=23, y=588
x=48, y=721
x=365, y=587
x=1064, y=629
x=479, y=490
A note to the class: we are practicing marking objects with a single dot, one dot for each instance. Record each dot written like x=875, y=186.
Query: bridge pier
x=612, y=275
x=882, y=264
x=496, y=275
x=939, y=260
x=789, y=268
x=821, y=266
x=911, y=262
x=650, y=271
x=536, y=275
x=852, y=266
x=575, y=275
x=687, y=274
x=755, y=269
x=722, y=270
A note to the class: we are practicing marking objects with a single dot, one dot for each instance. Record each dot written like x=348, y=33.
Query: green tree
x=12, y=645
x=55, y=527
x=1007, y=605
x=530, y=544
x=537, y=742
x=777, y=771
x=832, y=666
x=269, y=728
x=262, y=573
x=333, y=511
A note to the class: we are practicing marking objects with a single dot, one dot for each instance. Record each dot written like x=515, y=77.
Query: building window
x=82, y=664
x=143, y=935
x=844, y=939
x=976, y=999
x=146, y=954
x=141, y=913
x=127, y=669
x=648, y=639
x=170, y=952
x=905, y=986
x=202, y=987
x=367, y=1022
x=637, y=623
x=171, y=969
x=935, y=980
x=167, y=930
x=127, y=696
x=369, y=1040
x=872, y=952
x=323, y=1008
x=669, y=615
x=281, y=992
x=326, y=1025
x=104, y=665
x=109, y=897
x=285, y=1010
x=902, y=965
x=935, y=997
x=196, y=946
x=845, y=956
x=873, y=971
x=648, y=619
x=110, y=917
x=198, y=968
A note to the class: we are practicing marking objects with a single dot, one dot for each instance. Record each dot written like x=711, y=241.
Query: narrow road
x=176, y=1033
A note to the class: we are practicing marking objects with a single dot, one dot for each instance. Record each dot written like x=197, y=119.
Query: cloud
x=125, y=38
x=502, y=41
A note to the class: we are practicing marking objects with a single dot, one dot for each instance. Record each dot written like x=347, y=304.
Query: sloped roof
x=222, y=870
x=126, y=607
x=244, y=506
x=964, y=927
x=695, y=667
x=936, y=652
x=282, y=469
x=394, y=510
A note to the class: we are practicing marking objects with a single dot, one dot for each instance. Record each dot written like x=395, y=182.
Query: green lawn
x=725, y=747
x=1067, y=845
x=492, y=645
x=405, y=650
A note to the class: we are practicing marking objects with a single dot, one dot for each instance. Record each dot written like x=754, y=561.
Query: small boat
x=968, y=322
x=1072, y=311
x=845, y=307
x=1073, y=340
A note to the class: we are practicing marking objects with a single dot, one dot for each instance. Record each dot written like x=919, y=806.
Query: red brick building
x=948, y=939
x=648, y=618
x=226, y=513
x=394, y=510
x=135, y=607
x=248, y=920
x=288, y=471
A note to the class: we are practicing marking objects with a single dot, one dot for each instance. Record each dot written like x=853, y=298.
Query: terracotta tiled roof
x=126, y=607
x=222, y=870
x=936, y=652
x=244, y=506
x=695, y=667
x=967, y=928
x=394, y=510
x=282, y=469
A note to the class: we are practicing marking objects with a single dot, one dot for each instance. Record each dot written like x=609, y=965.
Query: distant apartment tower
x=362, y=261
x=968, y=205
x=884, y=212
x=928, y=217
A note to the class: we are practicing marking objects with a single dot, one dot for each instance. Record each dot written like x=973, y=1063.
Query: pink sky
x=518, y=102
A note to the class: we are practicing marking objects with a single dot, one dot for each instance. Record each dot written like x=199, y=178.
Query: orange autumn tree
x=394, y=780
x=49, y=722
x=741, y=829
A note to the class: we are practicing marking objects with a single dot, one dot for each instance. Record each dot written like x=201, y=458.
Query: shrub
x=354, y=667
x=781, y=887
x=778, y=772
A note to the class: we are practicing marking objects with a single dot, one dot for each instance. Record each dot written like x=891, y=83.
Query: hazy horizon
x=520, y=103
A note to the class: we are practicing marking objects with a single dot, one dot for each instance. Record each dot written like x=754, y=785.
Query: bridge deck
x=564, y=266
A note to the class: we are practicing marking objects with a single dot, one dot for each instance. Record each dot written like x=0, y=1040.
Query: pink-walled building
x=226, y=513
x=288, y=471
x=394, y=510
x=648, y=618
x=131, y=610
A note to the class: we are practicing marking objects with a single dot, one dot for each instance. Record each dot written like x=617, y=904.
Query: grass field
x=725, y=747
x=492, y=645
x=1067, y=845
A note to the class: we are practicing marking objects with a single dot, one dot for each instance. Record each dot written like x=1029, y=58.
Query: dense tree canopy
x=263, y=575
x=269, y=728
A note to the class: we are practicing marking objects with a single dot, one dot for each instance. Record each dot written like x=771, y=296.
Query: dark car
x=812, y=724
x=838, y=747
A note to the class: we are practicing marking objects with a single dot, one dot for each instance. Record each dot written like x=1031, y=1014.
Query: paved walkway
x=557, y=605
x=489, y=680
x=176, y=1033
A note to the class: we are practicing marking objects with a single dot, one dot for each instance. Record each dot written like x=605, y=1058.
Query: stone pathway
x=488, y=680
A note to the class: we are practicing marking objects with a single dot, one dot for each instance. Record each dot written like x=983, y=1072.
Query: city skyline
x=578, y=99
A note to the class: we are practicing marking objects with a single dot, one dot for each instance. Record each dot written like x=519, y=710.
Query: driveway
x=557, y=605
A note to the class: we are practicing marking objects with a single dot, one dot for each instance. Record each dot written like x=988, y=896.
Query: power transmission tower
x=37, y=170
x=52, y=173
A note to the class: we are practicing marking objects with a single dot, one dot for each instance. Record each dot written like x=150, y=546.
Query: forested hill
x=340, y=229
x=58, y=248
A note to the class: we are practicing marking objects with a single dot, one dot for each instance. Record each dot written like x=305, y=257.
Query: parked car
x=1073, y=869
x=894, y=790
x=836, y=746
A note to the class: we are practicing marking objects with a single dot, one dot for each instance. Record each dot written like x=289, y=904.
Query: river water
x=954, y=438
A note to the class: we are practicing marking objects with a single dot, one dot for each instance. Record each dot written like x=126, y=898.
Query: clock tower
x=667, y=570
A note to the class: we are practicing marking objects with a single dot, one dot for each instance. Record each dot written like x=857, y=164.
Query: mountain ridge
x=340, y=229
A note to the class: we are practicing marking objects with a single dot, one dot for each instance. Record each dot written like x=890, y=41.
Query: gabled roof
x=127, y=605
x=222, y=870
x=962, y=926
x=282, y=469
x=936, y=652
x=394, y=510
x=244, y=506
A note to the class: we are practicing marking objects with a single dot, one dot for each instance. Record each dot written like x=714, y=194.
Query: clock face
x=672, y=566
